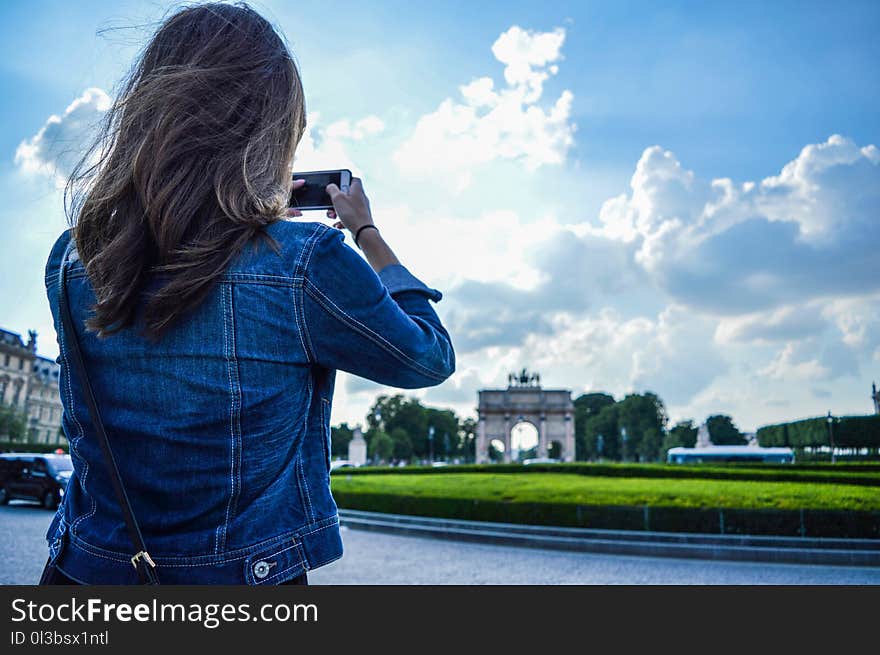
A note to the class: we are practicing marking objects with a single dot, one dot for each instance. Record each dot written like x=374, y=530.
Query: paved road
x=375, y=558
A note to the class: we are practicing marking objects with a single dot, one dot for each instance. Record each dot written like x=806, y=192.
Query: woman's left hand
x=331, y=213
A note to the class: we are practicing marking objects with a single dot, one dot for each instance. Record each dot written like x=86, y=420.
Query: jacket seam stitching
x=81, y=433
x=306, y=252
x=304, y=485
x=234, y=412
x=211, y=560
x=299, y=307
x=334, y=310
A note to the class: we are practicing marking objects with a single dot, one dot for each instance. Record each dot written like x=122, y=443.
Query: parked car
x=34, y=476
x=341, y=464
x=540, y=460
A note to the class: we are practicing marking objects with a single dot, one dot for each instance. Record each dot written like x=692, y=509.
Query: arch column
x=542, y=436
x=568, y=447
x=482, y=447
x=507, y=439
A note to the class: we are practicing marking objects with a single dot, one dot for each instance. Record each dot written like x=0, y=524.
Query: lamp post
x=378, y=416
x=830, y=422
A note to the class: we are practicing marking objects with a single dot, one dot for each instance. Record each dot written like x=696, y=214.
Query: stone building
x=29, y=382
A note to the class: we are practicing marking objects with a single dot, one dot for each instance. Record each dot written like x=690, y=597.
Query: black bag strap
x=142, y=562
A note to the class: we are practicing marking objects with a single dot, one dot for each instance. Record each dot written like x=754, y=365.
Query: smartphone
x=312, y=194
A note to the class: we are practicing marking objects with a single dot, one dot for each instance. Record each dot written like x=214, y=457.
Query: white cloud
x=792, y=364
x=671, y=354
x=360, y=129
x=56, y=148
x=858, y=320
x=784, y=323
x=809, y=232
x=492, y=124
x=327, y=147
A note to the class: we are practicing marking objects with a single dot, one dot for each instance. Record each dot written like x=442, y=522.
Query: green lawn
x=867, y=474
x=567, y=488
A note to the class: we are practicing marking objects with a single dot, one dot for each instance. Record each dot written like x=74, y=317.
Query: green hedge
x=849, y=432
x=810, y=523
x=19, y=447
x=863, y=474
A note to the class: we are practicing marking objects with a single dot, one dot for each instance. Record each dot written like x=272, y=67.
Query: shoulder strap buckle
x=146, y=557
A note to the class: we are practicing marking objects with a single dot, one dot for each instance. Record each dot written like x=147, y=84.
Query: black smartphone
x=312, y=194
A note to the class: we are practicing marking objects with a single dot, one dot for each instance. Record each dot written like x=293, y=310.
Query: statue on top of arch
x=524, y=379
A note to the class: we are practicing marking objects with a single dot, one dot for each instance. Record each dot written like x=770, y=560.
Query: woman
x=210, y=326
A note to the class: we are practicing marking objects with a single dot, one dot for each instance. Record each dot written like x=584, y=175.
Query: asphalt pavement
x=378, y=558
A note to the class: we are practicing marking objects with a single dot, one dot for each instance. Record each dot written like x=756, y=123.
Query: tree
x=723, y=431
x=643, y=416
x=380, y=446
x=466, y=441
x=398, y=411
x=684, y=433
x=587, y=406
x=495, y=455
x=13, y=423
x=602, y=434
x=389, y=413
x=402, y=448
x=444, y=422
x=340, y=437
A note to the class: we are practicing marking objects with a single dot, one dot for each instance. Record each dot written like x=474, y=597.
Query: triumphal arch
x=551, y=411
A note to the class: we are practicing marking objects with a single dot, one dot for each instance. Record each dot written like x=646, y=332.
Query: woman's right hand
x=352, y=207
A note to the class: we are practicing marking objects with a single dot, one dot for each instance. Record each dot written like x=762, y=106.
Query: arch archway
x=524, y=441
x=549, y=411
x=496, y=451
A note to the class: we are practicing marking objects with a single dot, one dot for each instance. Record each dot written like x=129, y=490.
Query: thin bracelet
x=361, y=229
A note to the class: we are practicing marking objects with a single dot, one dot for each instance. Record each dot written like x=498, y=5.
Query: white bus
x=721, y=454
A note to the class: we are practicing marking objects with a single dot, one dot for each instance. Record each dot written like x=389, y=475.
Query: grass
x=565, y=488
x=825, y=473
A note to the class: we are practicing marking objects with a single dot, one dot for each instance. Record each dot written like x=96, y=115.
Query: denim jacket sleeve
x=380, y=327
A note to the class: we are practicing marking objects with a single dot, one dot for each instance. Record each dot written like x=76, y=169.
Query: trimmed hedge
x=849, y=432
x=20, y=447
x=859, y=474
x=810, y=523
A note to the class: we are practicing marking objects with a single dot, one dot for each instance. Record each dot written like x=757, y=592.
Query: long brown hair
x=191, y=162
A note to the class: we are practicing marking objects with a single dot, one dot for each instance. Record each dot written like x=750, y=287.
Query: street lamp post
x=830, y=422
x=378, y=416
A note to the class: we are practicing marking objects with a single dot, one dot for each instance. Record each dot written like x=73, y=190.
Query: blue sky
x=604, y=250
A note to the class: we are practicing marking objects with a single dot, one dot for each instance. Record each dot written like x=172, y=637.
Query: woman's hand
x=295, y=212
x=352, y=208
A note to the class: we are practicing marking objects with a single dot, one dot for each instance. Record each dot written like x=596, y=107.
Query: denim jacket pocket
x=276, y=563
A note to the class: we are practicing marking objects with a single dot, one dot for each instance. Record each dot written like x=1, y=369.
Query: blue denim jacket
x=222, y=429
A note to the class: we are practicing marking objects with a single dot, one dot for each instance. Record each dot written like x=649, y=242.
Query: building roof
x=11, y=338
x=47, y=370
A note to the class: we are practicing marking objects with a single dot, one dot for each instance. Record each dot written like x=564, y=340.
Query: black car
x=34, y=476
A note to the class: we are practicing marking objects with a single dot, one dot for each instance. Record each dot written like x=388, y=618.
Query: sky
x=675, y=197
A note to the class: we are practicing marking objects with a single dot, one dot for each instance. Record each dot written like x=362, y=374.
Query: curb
x=794, y=550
